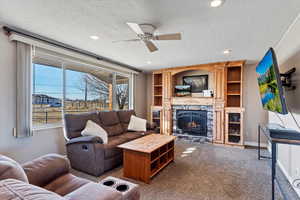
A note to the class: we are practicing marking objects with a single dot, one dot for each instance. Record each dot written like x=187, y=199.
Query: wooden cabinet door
x=167, y=108
x=237, y=123
x=167, y=122
x=219, y=83
x=167, y=85
x=218, y=126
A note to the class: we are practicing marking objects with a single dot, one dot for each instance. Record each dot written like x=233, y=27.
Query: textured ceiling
x=246, y=27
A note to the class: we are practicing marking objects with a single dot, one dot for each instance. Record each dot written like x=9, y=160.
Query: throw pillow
x=93, y=129
x=137, y=124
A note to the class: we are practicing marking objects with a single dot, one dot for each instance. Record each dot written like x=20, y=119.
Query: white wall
x=254, y=113
x=140, y=95
x=47, y=141
x=288, y=55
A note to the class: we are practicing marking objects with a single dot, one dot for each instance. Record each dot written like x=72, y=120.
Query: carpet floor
x=206, y=172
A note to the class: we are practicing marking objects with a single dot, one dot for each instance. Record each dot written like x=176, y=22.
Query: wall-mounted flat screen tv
x=198, y=83
x=270, y=86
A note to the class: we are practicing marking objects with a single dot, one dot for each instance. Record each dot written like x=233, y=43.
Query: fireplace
x=192, y=122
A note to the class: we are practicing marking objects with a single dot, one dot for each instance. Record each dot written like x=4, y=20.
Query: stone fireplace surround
x=194, y=138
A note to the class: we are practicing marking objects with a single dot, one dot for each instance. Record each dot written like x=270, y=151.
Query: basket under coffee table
x=143, y=158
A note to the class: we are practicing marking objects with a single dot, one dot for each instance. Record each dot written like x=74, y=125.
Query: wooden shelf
x=232, y=82
x=233, y=94
x=234, y=127
x=234, y=122
x=157, y=88
x=160, y=168
x=162, y=154
x=233, y=100
x=161, y=157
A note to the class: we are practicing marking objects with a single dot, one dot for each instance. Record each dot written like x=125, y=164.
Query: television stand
x=276, y=134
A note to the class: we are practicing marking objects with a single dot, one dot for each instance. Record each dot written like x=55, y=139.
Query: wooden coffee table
x=143, y=158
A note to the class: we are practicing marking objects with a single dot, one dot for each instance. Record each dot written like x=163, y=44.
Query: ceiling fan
x=145, y=34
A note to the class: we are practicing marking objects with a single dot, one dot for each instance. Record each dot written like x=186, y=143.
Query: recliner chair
x=49, y=178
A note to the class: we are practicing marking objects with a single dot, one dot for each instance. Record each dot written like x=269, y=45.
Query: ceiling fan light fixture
x=216, y=3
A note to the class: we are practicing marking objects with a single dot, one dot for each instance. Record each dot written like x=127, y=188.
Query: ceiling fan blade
x=136, y=28
x=131, y=40
x=150, y=46
x=172, y=36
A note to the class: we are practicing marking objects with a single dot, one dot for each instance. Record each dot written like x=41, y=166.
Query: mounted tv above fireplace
x=198, y=83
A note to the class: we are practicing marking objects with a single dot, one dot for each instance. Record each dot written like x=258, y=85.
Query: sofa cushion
x=124, y=116
x=137, y=124
x=111, y=149
x=93, y=129
x=11, y=169
x=41, y=171
x=75, y=123
x=111, y=123
x=132, y=135
x=66, y=184
x=11, y=189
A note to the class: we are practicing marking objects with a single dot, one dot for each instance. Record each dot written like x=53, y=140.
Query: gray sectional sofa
x=88, y=153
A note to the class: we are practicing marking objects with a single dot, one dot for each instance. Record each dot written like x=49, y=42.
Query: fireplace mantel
x=192, y=101
x=227, y=80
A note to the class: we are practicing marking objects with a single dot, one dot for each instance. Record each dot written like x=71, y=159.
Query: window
x=87, y=91
x=122, y=92
x=46, y=95
x=64, y=87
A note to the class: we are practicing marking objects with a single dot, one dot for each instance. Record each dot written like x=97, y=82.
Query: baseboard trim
x=255, y=144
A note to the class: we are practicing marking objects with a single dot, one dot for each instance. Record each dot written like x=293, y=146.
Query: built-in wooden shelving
x=234, y=110
x=156, y=117
x=234, y=86
x=234, y=126
x=227, y=86
x=161, y=158
x=157, y=89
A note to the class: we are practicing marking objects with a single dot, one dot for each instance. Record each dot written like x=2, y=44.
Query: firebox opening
x=192, y=122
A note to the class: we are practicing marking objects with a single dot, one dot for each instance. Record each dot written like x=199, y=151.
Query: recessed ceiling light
x=149, y=62
x=94, y=37
x=227, y=51
x=216, y=3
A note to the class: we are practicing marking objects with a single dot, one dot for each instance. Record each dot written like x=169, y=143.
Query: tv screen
x=270, y=86
x=198, y=83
